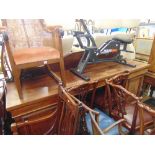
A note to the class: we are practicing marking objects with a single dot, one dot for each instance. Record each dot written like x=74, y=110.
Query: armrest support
x=119, y=123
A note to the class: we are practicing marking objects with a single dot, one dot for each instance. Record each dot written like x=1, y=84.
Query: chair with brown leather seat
x=24, y=44
x=125, y=105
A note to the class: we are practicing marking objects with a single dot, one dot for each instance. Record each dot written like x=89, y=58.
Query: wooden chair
x=62, y=120
x=95, y=121
x=24, y=44
x=125, y=105
x=143, y=129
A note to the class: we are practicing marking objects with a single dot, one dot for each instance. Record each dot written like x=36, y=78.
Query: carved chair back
x=102, y=96
x=94, y=121
x=85, y=93
x=122, y=107
x=61, y=120
x=67, y=114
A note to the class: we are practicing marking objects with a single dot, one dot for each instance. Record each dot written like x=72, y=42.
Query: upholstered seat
x=129, y=116
x=35, y=55
x=123, y=38
x=104, y=122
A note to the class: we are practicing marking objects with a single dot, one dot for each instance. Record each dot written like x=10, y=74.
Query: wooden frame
x=152, y=57
x=143, y=107
x=17, y=65
x=94, y=115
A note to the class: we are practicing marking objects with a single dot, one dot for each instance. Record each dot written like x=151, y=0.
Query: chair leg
x=18, y=83
x=62, y=72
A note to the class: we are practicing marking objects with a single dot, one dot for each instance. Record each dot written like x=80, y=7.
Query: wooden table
x=43, y=91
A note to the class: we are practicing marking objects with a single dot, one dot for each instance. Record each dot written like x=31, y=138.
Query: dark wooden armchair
x=124, y=105
x=24, y=43
x=92, y=119
x=101, y=95
x=59, y=119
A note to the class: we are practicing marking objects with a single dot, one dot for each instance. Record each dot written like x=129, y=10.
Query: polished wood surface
x=43, y=90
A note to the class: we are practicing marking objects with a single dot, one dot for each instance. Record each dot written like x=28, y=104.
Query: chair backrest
x=85, y=92
x=2, y=106
x=67, y=114
x=119, y=98
x=26, y=33
x=102, y=96
x=62, y=119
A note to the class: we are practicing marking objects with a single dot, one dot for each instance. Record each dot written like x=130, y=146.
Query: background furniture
x=143, y=48
x=92, y=119
x=150, y=75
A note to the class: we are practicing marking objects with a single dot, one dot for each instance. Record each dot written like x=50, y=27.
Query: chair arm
x=84, y=106
x=95, y=125
x=89, y=109
x=119, y=123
